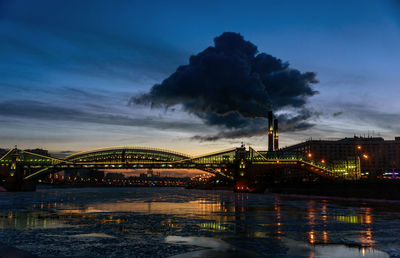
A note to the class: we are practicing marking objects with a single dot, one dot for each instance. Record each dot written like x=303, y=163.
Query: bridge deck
x=143, y=158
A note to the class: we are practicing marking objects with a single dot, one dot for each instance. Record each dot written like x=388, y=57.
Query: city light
x=248, y=159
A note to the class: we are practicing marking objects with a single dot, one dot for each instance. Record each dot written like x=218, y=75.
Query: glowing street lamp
x=365, y=156
x=357, y=161
x=309, y=155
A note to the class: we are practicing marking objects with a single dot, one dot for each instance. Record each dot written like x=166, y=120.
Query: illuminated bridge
x=247, y=168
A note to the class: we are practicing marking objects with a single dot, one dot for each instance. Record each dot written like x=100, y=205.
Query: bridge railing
x=321, y=167
x=277, y=155
x=127, y=150
x=220, y=157
x=29, y=157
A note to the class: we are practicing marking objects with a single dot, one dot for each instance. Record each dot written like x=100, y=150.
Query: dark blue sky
x=69, y=68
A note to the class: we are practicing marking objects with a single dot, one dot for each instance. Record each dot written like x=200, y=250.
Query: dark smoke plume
x=232, y=87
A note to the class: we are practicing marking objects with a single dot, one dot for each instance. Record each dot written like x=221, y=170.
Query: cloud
x=45, y=36
x=258, y=126
x=232, y=87
x=29, y=109
x=336, y=114
x=373, y=119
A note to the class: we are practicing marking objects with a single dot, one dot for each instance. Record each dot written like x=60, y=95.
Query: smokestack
x=270, y=131
x=276, y=138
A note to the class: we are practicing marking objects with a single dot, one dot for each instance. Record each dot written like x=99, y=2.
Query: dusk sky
x=69, y=71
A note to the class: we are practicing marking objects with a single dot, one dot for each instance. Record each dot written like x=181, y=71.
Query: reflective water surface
x=164, y=222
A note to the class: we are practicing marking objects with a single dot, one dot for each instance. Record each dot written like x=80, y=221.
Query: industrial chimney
x=276, y=137
x=270, y=131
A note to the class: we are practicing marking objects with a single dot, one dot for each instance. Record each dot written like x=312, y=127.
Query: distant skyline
x=68, y=69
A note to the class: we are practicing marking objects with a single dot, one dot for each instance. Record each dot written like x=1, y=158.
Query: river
x=177, y=222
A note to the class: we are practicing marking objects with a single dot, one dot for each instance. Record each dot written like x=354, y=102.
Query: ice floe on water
x=93, y=235
x=176, y=222
x=199, y=241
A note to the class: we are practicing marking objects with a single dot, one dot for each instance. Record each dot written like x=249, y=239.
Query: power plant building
x=273, y=138
x=377, y=157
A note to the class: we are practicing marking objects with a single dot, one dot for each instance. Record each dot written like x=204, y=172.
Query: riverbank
x=388, y=190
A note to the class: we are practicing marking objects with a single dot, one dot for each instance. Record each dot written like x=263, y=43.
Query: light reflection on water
x=331, y=251
x=198, y=207
x=28, y=220
x=318, y=225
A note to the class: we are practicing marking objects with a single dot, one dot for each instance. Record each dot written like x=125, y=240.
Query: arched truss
x=133, y=158
x=127, y=154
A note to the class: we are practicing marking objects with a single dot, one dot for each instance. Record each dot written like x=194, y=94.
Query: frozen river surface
x=176, y=222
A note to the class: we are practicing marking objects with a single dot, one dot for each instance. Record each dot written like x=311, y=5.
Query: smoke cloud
x=232, y=87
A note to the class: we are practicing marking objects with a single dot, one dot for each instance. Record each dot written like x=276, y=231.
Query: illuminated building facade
x=377, y=157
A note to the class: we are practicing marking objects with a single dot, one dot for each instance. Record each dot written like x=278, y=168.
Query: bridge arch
x=128, y=154
x=132, y=157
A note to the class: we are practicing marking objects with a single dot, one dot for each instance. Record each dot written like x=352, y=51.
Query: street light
x=309, y=155
x=357, y=160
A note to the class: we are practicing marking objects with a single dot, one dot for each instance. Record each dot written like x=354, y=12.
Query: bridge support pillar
x=245, y=179
x=248, y=181
x=15, y=182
